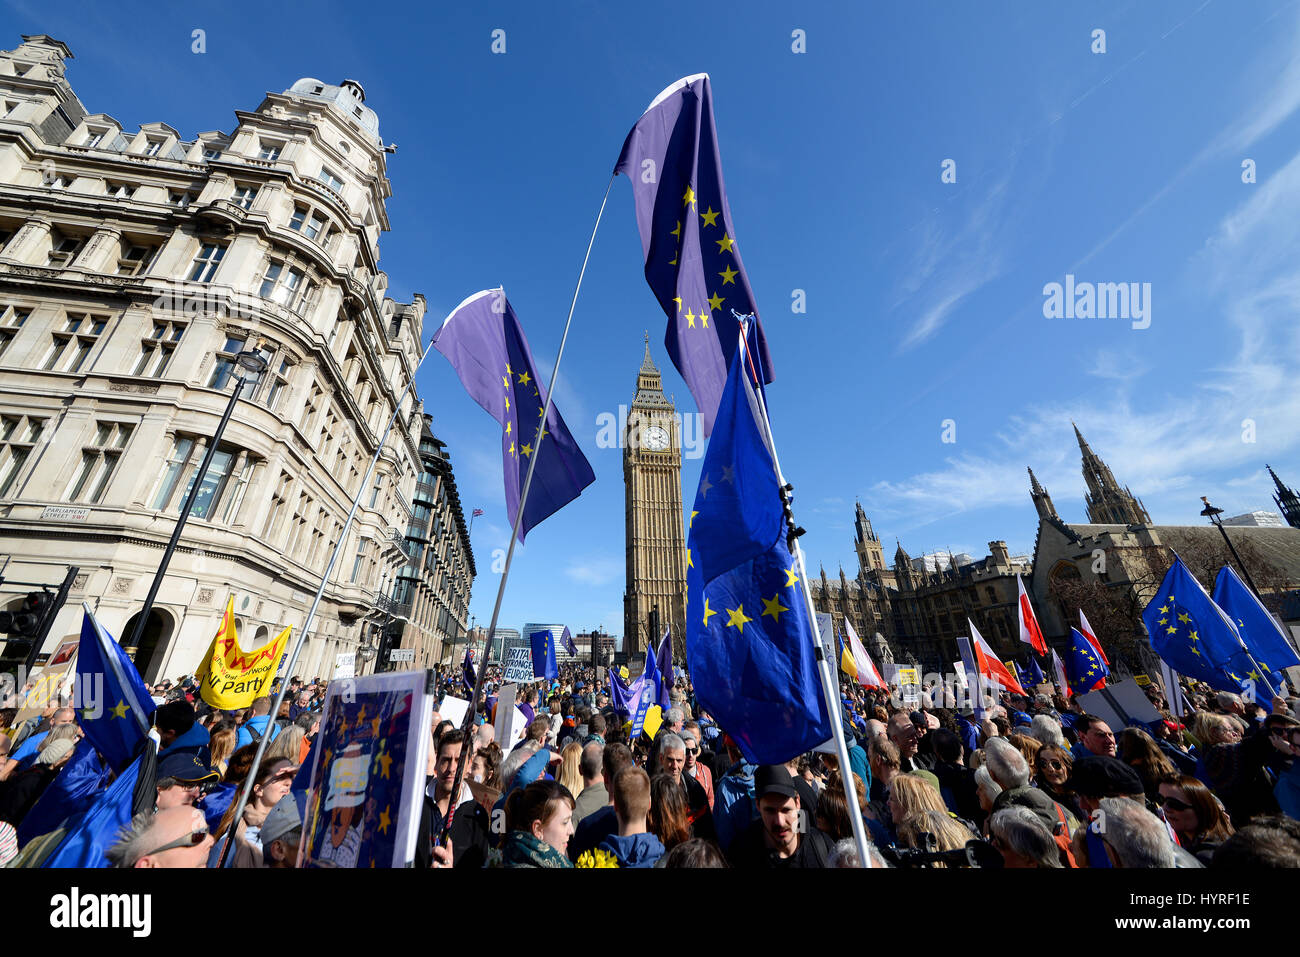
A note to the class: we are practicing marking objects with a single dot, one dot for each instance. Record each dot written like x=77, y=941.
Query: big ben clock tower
x=656, y=542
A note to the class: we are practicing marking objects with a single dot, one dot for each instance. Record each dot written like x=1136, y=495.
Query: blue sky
x=924, y=299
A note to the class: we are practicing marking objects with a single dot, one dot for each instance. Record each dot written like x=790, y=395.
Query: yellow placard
x=230, y=678
x=654, y=717
x=1142, y=680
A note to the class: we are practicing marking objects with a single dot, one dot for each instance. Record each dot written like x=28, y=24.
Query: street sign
x=401, y=654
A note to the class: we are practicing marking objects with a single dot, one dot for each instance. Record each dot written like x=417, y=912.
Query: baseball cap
x=186, y=767
x=287, y=815
x=774, y=779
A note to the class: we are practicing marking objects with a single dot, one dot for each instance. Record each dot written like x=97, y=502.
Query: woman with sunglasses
x=273, y=780
x=1051, y=774
x=1194, y=813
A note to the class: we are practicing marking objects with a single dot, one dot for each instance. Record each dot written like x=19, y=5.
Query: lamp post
x=1213, y=514
x=250, y=363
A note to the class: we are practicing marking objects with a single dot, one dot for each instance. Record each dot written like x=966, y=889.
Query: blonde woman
x=949, y=833
x=570, y=772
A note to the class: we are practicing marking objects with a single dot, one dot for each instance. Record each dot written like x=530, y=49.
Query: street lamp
x=250, y=363
x=1213, y=514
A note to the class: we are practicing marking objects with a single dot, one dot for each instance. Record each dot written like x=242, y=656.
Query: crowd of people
x=1029, y=782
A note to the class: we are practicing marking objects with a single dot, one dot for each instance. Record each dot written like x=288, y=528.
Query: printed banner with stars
x=485, y=344
x=749, y=643
x=692, y=262
x=367, y=783
x=116, y=708
x=1084, y=670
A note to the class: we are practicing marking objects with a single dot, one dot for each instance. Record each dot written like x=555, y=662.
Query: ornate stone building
x=1287, y=500
x=655, y=598
x=134, y=266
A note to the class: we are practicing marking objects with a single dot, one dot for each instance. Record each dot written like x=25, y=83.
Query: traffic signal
x=25, y=622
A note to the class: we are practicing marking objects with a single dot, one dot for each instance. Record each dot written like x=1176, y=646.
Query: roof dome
x=349, y=96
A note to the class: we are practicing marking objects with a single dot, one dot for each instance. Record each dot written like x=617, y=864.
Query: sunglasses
x=1054, y=764
x=193, y=839
x=1172, y=803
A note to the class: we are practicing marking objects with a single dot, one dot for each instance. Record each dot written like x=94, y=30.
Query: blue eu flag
x=566, y=639
x=99, y=827
x=468, y=676
x=749, y=642
x=1083, y=669
x=69, y=794
x=123, y=709
x=544, y=663
x=1263, y=637
x=1190, y=632
x=1036, y=677
x=621, y=697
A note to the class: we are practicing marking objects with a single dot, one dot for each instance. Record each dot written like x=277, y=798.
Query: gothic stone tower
x=1108, y=503
x=1286, y=499
x=656, y=541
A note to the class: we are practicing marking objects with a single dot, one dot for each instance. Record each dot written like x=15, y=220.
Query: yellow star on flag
x=728, y=275
x=1165, y=610
x=725, y=243
x=716, y=301
x=1171, y=629
x=385, y=761
x=709, y=217
x=121, y=710
x=790, y=577
x=505, y=381
x=689, y=563
x=1196, y=651
x=690, y=318
x=707, y=612
x=688, y=198
x=1184, y=618
x=526, y=449
x=678, y=300
x=375, y=725
x=507, y=428
x=692, y=521
x=385, y=820
x=773, y=607
x=524, y=378
x=737, y=618
x=678, y=231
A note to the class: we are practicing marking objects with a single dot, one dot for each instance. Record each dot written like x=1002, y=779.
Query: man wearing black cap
x=774, y=840
x=1093, y=778
x=181, y=776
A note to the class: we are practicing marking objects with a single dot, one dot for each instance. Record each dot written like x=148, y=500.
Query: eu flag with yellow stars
x=1190, y=632
x=692, y=262
x=1263, y=637
x=1083, y=669
x=485, y=344
x=749, y=642
x=114, y=708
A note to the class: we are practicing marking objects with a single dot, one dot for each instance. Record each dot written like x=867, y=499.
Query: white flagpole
x=519, y=517
x=247, y=789
x=829, y=692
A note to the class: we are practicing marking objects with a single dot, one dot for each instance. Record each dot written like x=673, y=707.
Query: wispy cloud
x=595, y=571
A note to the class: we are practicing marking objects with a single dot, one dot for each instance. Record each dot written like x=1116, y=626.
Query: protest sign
x=1120, y=705
x=510, y=723
x=231, y=678
x=453, y=710
x=368, y=779
x=50, y=683
x=519, y=665
x=345, y=665
x=909, y=685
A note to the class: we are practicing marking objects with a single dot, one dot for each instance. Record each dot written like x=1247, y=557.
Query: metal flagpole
x=468, y=723
x=829, y=691
x=311, y=613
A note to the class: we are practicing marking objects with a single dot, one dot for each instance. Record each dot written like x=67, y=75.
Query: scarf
x=524, y=850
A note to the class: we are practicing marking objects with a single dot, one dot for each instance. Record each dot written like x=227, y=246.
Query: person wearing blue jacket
x=734, y=804
x=179, y=733
x=631, y=845
x=259, y=723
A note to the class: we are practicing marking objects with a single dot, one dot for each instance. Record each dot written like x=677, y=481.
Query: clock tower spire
x=655, y=599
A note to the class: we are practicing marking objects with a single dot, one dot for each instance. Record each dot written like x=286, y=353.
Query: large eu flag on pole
x=1260, y=632
x=749, y=642
x=124, y=711
x=621, y=697
x=1190, y=632
x=566, y=639
x=692, y=262
x=485, y=344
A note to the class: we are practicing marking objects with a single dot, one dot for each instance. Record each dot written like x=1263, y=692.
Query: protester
x=270, y=784
x=694, y=769
x=1022, y=839
x=1194, y=814
x=471, y=827
x=774, y=841
x=592, y=796
x=633, y=844
x=176, y=837
x=1095, y=737
x=693, y=854
x=281, y=832
x=539, y=823
x=256, y=722
x=181, y=776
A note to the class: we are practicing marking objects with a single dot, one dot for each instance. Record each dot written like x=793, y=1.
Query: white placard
x=453, y=710
x=345, y=665
x=519, y=665
x=401, y=654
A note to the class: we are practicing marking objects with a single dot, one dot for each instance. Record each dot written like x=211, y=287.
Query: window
x=179, y=200
x=11, y=320
x=136, y=259
x=94, y=138
x=181, y=449
x=152, y=146
x=362, y=547
x=329, y=179
x=187, y=456
x=72, y=344
x=156, y=349
x=63, y=249
x=279, y=498
x=18, y=436
x=98, y=462
x=308, y=222
x=285, y=285
x=270, y=150
x=119, y=190
x=374, y=492
x=206, y=262
x=226, y=361
x=311, y=408
x=54, y=181
x=244, y=196
x=211, y=151
x=279, y=376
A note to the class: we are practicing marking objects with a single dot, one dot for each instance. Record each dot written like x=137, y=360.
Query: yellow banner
x=230, y=678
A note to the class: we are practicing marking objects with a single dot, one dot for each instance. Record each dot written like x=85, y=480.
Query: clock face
x=655, y=439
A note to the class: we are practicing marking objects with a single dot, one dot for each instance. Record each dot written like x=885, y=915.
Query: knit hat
x=56, y=751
